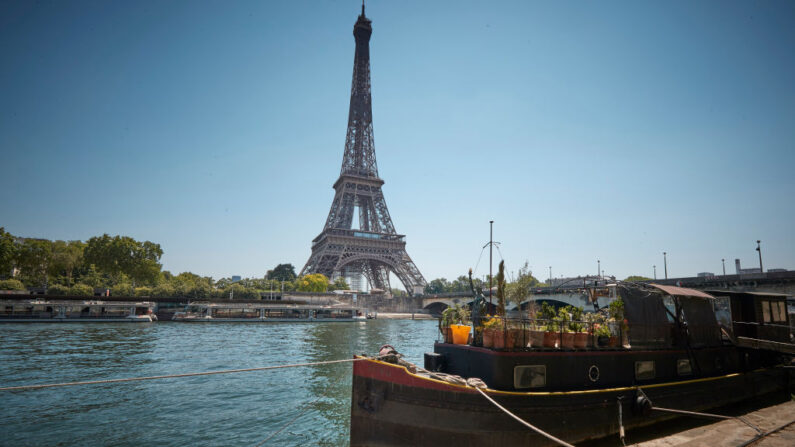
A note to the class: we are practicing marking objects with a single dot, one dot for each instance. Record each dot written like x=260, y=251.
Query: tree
x=81, y=290
x=33, y=259
x=123, y=254
x=282, y=272
x=339, y=284
x=519, y=290
x=315, y=282
x=11, y=284
x=66, y=257
x=8, y=252
x=637, y=278
x=439, y=285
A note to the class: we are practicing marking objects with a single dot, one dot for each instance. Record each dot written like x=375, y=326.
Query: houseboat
x=650, y=348
x=267, y=313
x=54, y=311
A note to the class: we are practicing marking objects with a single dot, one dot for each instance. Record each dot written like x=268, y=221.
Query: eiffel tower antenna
x=374, y=249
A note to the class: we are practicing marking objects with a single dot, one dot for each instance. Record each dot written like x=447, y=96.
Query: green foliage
x=66, y=257
x=282, y=272
x=501, y=290
x=57, y=289
x=8, y=253
x=12, y=284
x=81, y=290
x=616, y=310
x=315, y=282
x=547, y=311
x=339, y=284
x=519, y=290
x=33, y=259
x=637, y=278
x=143, y=291
x=457, y=314
x=124, y=255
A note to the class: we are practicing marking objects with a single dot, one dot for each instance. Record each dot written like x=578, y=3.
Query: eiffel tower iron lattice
x=374, y=249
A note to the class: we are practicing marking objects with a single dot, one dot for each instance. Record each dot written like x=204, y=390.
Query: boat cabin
x=757, y=315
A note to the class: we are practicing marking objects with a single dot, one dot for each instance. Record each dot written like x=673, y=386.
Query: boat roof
x=682, y=291
x=737, y=292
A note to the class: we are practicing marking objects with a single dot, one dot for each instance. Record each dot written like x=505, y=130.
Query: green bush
x=81, y=290
x=143, y=291
x=12, y=284
x=57, y=289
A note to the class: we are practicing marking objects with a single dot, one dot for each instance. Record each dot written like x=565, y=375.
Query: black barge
x=673, y=353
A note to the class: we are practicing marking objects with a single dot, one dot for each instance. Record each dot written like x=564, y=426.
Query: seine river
x=240, y=409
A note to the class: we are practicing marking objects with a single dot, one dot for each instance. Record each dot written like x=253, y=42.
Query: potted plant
x=550, y=326
x=566, y=335
x=444, y=325
x=489, y=327
x=602, y=334
x=578, y=328
x=618, y=324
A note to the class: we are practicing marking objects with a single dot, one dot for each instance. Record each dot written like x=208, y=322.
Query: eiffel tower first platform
x=374, y=249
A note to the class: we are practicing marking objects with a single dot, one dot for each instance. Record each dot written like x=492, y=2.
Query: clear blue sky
x=585, y=130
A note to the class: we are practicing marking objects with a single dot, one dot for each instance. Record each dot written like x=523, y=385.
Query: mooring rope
x=520, y=420
x=173, y=376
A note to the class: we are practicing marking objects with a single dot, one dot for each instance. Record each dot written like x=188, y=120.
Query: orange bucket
x=460, y=333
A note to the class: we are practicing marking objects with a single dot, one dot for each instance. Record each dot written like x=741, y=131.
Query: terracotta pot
x=613, y=341
x=567, y=340
x=499, y=339
x=536, y=339
x=510, y=338
x=522, y=336
x=551, y=339
x=488, y=338
x=580, y=340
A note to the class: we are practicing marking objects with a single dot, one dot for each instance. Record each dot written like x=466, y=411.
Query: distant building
x=776, y=270
x=742, y=271
x=705, y=275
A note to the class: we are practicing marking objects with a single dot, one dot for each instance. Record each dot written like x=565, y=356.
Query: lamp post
x=723, y=261
x=655, y=272
x=759, y=249
x=550, y=276
x=598, y=267
x=665, y=263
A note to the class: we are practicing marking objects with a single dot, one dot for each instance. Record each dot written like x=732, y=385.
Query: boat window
x=683, y=367
x=775, y=316
x=644, y=370
x=668, y=302
x=723, y=310
x=782, y=309
x=530, y=376
x=766, y=311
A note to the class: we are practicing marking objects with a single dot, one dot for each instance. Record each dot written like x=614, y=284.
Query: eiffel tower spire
x=374, y=249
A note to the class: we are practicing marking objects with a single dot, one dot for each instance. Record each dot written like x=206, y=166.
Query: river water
x=241, y=409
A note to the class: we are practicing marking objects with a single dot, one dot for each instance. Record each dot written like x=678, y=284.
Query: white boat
x=54, y=311
x=267, y=313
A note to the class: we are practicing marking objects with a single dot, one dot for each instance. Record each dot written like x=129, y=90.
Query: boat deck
x=735, y=433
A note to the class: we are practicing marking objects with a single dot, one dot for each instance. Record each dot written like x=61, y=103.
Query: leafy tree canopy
x=282, y=272
x=637, y=278
x=314, y=282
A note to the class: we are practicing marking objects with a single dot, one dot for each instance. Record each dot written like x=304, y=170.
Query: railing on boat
x=524, y=333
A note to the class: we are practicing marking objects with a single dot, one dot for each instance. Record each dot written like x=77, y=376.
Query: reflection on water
x=235, y=409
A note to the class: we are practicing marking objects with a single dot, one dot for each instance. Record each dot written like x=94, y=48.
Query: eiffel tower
x=374, y=249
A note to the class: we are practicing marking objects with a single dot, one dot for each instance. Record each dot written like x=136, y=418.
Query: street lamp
x=759, y=249
x=598, y=267
x=665, y=262
x=655, y=272
x=723, y=261
x=550, y=276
